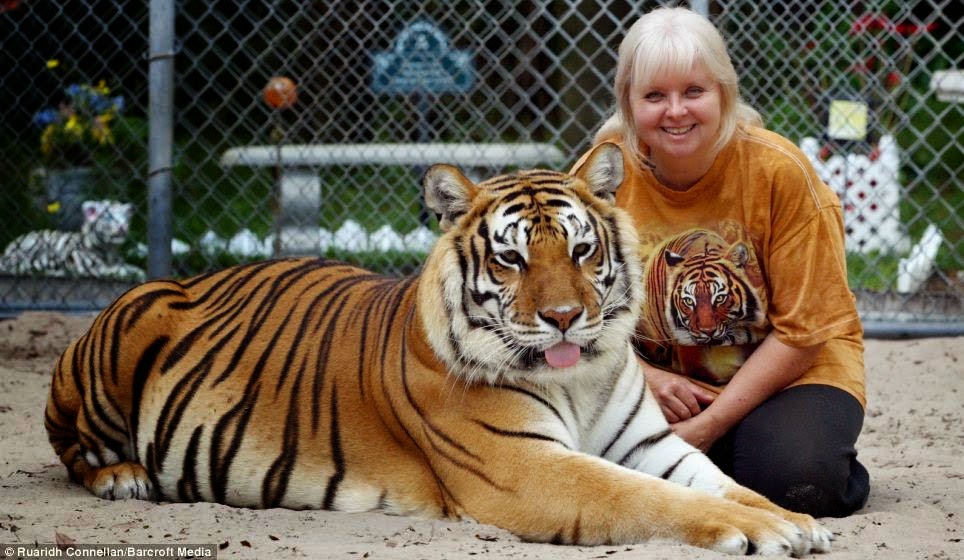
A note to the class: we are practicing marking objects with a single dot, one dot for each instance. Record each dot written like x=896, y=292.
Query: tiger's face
x=107, y=221
x=712, y=302
x=543, y=274
x=541, y=278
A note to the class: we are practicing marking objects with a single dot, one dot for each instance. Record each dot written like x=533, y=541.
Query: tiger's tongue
x=563, y=354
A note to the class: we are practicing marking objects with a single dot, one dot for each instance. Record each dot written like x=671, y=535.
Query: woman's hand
x=678, y=397
x=771, y=367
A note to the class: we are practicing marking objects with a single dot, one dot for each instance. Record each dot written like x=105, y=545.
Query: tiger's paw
x=120, y=481
x=816, y=537
x=752, y=531
x=819, y=536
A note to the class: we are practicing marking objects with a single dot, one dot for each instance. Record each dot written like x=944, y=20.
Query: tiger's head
x=106, y=222
x=537, y=276
x=712, y=298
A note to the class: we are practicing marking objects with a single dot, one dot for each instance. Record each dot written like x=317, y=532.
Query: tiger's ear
x=602, y=170
x=448, y=193
x=92, y=209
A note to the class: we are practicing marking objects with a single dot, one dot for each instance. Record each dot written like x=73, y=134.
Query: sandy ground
x=912, y=442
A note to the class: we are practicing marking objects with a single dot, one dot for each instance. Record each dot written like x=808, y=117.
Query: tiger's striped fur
x=304, y=383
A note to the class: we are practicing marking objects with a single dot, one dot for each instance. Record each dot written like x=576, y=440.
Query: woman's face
x=677, y=116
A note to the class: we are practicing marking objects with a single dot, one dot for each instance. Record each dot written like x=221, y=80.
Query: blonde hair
x=673, y=41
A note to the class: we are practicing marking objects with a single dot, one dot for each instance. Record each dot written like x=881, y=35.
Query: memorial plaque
x=422, y=60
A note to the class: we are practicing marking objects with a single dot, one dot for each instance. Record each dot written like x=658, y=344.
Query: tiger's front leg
x=654, y=449
x=542, y=491
x=680, y=463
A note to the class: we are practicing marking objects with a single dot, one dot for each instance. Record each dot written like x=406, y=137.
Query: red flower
x=870, y=22
x=825, y=152
x=8, y=5
x=865, y=66
x=907, y=29
x=893, y=79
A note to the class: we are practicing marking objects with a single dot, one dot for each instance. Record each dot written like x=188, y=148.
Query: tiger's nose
x=561, y=317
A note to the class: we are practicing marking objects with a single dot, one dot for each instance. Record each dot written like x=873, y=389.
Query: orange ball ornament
x=280, y=93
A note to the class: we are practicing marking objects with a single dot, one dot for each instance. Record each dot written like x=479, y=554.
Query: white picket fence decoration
x=870, y=193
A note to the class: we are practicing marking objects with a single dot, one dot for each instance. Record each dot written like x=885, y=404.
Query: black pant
x=797, y=449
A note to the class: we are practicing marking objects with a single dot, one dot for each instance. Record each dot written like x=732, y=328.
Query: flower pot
x=66, y=190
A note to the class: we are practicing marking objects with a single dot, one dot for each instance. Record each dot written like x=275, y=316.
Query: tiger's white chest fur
x=92, y=252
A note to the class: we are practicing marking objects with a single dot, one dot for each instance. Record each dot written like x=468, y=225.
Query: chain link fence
x=384, y=87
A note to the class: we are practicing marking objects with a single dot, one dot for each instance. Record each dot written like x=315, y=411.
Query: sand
x=912, y=443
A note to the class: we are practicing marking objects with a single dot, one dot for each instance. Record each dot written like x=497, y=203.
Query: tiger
x=497, y=384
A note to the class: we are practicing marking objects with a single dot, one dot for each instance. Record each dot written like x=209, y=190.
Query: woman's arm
x=678, y=397
x=770, y=368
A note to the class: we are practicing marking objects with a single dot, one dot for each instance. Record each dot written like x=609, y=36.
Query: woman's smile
x=679, y=131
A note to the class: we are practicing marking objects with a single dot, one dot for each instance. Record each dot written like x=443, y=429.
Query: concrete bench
x=299, y=184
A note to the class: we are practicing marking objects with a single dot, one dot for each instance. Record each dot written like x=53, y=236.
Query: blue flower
x=73, y=90
x=46, y=117
x=99, y=103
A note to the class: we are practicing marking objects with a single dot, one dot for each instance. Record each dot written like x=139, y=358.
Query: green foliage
x=397, y=263
x=921, y=207
x=873, y=53
x=933, y=143
x=875, y=272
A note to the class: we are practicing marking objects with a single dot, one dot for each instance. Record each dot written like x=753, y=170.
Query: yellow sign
x=848, y=120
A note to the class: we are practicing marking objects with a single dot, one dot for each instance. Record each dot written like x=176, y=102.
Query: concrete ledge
x=320, y=155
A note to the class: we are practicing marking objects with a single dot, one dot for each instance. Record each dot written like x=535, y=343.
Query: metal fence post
x=161, y=138
x=701, y=7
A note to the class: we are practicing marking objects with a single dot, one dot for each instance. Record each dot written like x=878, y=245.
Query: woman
x=750, y=337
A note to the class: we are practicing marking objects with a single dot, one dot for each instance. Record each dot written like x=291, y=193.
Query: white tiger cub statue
x=93, y=252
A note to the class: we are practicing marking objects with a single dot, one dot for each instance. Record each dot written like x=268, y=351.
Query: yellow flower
x=100, y=129
x=47, y=139
x=53, y=207
x=101, y=88
x=52, y=63
x=74, y=126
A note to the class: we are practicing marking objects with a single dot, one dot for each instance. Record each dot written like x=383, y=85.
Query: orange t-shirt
x=755, y=246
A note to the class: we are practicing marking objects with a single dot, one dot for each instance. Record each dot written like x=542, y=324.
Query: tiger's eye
x=581, y=250
x=510, y=257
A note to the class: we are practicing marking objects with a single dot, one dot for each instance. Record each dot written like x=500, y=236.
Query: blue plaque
x=422, y=60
